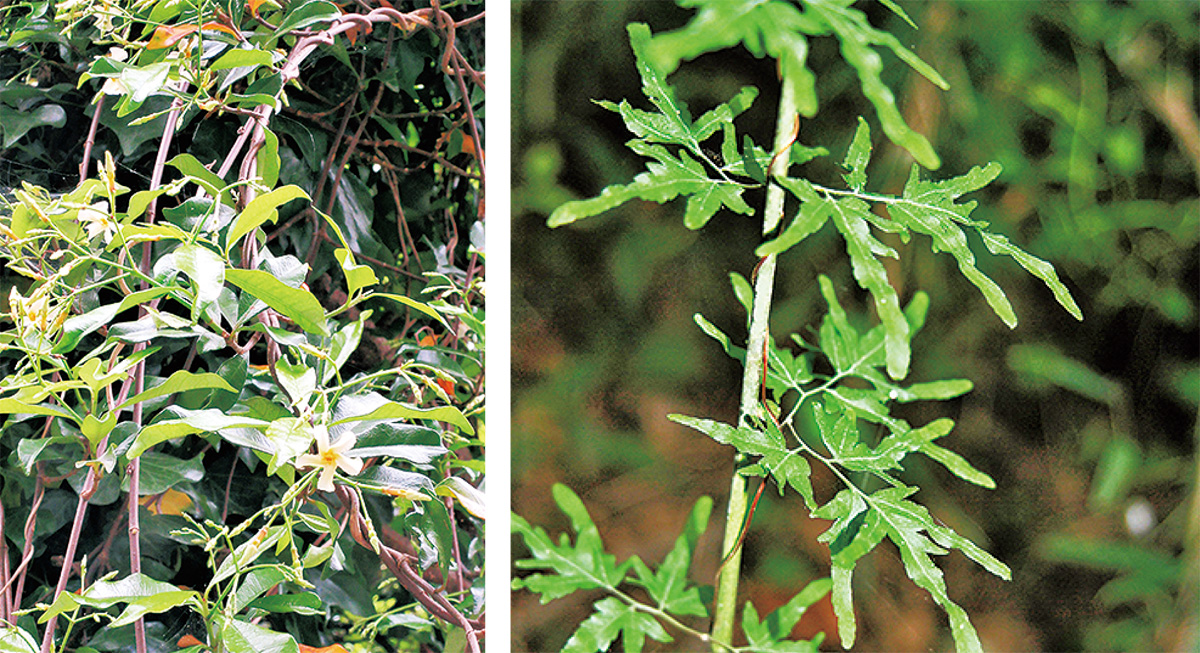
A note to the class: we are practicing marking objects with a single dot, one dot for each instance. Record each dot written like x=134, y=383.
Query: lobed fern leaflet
x=930, y=208
x=838, y=404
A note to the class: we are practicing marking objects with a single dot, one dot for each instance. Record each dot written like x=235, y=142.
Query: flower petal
x=352, y=466
x=325, y=483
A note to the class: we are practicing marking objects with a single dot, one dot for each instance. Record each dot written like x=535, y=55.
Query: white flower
x=36, y=312
x=98, y=221
x=329, y=457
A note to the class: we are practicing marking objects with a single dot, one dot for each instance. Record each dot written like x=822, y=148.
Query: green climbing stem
x=764, y=281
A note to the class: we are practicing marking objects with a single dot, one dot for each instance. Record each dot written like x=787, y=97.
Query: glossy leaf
x=297, y=304
x=470, y=497
x=261, y=209
x=382, y=409
x=243, y=637
x=189, y=422
x=180, y=381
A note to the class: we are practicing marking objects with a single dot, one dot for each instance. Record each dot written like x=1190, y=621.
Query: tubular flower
x=330, y=456
x=35, y=313
x=97, y=221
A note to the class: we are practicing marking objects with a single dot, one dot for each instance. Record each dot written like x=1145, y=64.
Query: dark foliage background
x=1091, y=109
x=379, y=135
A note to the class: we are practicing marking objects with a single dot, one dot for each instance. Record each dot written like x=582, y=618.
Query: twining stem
x=727, y=581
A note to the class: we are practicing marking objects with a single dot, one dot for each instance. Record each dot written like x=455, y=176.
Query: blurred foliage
x=1089, y=428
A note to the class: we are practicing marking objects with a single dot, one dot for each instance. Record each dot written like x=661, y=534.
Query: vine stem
x=727, y=581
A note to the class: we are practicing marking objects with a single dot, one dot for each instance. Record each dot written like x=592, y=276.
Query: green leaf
x=579, y=566
x=246, y=553
x=857, y=157
x=190, y=422
x=998, y=244
x=357, y=276
x=143, y=594
x=16, y=640
x=1043, y=365
x=415, y=444
x=396, y=483
x=78, y=326
x=261, y=209
x=308, y=13
x=160, y=472
x=611, y=618
x=856, y=37
x=16, y=124
x=16, y=406
x=307, y=603
x=665, y=180
x=929, y=208
x=383, y=409
x=242, y=637
x=289, y=437
x=668, y=587
x=814, y=212
x=297, y=304
x=239, y=57
x=412, y=303
x=205, y=178
x=180, y=381
x=771, y=633
x=671, y=173
x=871, y=275
x=903, y=522
x=468, y=495
x=267, y=159
x=298, y=380
x=789, y=467
x=939, y=390
x=710, y=329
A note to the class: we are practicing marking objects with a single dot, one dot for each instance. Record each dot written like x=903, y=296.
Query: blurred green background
x=1089, y=429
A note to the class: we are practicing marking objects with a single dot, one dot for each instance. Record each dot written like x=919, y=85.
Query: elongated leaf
x=468, y=495
x=857, y=157
x=789, y=467
x=772, y=632
x=297, y=304
x=665, y=180
x=871, y=275
x=205, y=178
x=261, y=209
x=929, y=209
x=180, y=381
x=396, y=483
x=814, y=212
x=189, y=422
x=391, y=410
x=998, y=244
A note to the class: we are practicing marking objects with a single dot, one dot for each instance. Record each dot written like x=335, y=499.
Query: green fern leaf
x=664, y=181
x=771, y=633
x=857, y=39
x=579, y=566
x=613, y=617
x=788, y=466
x=668, y=587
